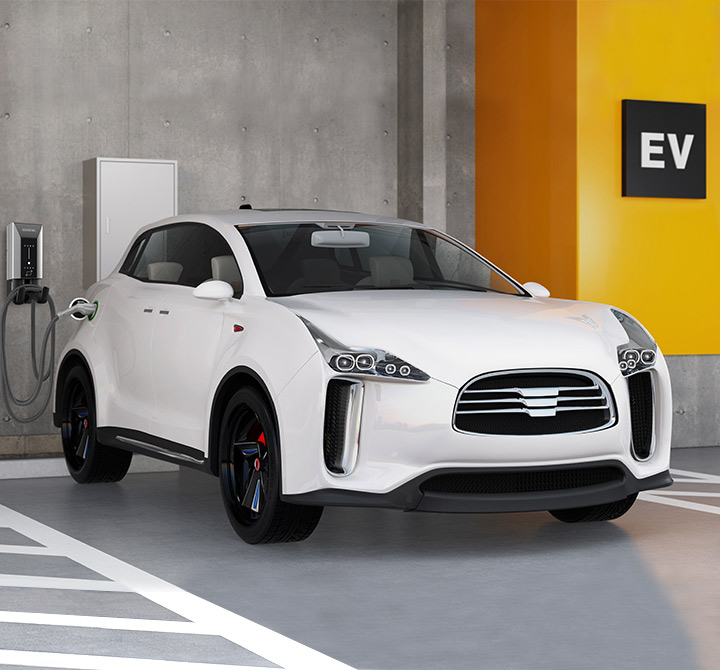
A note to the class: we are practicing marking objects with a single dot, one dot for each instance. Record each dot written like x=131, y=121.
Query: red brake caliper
x=261, y=440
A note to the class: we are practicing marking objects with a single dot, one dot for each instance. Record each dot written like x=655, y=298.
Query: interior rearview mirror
x=340, y=239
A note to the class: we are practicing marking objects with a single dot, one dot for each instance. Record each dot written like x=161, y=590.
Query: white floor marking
x=711, y=479
x=674, y=502
x=669, y=497
x=105, y=622
x=693, y=494
x=82, y=662
x=28, y=551
x=34, y=582
x=257, y=639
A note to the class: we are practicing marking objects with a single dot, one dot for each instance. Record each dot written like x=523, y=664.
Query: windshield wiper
x=453, y=285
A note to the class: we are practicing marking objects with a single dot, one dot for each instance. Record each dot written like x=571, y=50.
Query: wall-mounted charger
x=24, y=244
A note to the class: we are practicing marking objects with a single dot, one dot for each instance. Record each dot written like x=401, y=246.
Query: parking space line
x=66, y=583
x=674, y=502
x=21, y=549
x=694, y=494
x=672, y=496
x=90, y=662
x=210, y=618
x=105, y=622
x=702, y=476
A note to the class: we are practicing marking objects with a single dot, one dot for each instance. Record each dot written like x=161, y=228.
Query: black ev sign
x=664, y=149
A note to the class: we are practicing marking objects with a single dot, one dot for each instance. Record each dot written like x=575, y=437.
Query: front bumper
x=411, y=497
x=406, y=438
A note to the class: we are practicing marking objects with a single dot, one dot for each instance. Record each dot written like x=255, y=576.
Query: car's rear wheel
x=607, y=512
x=87, y=460
x=250, y=475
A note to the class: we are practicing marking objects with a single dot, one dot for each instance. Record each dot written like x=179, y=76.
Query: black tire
x=607, y=512
x=249, y=456
x=87, y=460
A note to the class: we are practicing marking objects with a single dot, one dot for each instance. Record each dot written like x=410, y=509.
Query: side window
x=186, y=254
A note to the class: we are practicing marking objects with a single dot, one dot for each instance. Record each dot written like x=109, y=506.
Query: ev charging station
x=24, y=242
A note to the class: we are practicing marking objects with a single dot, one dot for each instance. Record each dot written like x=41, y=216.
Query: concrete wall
x=696, y=389
x=283, y=103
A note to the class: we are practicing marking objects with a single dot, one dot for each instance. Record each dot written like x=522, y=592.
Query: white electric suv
x=312, y=358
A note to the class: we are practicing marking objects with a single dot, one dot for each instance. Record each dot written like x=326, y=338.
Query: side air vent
x=343, y=413
x=640, y=387
x=534, y=402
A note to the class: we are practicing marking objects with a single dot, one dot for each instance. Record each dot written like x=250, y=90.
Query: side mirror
x=214, y=289
x=536, y=290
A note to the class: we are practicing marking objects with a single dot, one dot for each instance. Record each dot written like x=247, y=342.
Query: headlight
x=640, y=353
x=363, y=360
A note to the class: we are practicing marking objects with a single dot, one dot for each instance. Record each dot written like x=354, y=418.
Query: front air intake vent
x=534, y=402
x=513, y=482
x=343, y=412
x=640, y=387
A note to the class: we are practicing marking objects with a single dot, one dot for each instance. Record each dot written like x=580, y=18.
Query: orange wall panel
x=526, y=140
x=658, y=258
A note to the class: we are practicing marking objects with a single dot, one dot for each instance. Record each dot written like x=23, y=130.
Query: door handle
x=147, y=310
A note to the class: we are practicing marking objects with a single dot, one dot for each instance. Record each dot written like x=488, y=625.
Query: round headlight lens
x=345, y=363
x=365, y=362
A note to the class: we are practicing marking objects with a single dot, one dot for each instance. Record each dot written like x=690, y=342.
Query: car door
x=129, y=314
x=189, y=337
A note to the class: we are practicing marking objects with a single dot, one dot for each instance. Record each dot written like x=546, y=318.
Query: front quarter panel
x=273, y=343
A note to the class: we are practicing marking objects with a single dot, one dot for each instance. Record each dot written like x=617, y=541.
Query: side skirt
x=155, y=447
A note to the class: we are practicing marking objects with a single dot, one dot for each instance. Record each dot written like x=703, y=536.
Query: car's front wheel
x=87, y=460
x=607, y=512
x=250, y=475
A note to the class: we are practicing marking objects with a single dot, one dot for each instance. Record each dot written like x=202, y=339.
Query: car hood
x=456, y=335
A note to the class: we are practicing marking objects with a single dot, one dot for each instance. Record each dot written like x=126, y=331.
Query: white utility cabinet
x=120, y=196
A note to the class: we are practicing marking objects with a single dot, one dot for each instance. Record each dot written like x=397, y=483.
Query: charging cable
x=34, y=294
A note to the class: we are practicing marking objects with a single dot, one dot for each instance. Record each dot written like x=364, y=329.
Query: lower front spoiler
x=531, y=489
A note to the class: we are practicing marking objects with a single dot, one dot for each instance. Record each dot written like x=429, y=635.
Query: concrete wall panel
x=273, y=103
x=460, y=137
x=63, y=98
x=696, y=408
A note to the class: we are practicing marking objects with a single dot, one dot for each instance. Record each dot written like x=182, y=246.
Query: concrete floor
x=373, y=589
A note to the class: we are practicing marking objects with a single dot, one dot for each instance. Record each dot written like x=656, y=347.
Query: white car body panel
x=407, y=427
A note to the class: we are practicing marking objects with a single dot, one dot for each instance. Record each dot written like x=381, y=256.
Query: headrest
x=225, y=269
x=166, y=271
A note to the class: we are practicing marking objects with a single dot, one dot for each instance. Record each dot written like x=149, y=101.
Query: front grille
x=496, y=483
x=641, y=414
x=534, y=402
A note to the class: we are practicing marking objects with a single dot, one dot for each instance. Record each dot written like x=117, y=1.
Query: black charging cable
x=34, y=294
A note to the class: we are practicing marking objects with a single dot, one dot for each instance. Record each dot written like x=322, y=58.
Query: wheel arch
x=233, y=380
x=72, y=358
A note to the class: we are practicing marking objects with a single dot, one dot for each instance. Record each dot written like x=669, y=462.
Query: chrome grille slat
x=527, y=410
x=534, y=402
x=518, y=390
x=558, y=399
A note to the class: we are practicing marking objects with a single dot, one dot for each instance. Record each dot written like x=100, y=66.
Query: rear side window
x=180, y=254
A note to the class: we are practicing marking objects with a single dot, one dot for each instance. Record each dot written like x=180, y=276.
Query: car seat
x=164, y=271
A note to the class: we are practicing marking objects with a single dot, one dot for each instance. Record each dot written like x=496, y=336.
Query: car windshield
x=298, y=258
